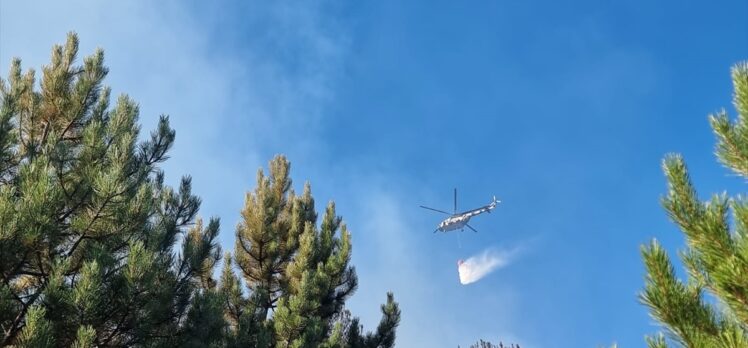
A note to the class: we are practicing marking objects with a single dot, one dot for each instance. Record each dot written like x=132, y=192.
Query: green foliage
x=37, y=333
x=205, y=323
x=88, y=230
x=85, y=337
x=716, y=256
x=96, y=251
x=298, y=270
x=487, y=344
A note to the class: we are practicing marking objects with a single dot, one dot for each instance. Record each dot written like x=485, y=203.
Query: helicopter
x=459, y=221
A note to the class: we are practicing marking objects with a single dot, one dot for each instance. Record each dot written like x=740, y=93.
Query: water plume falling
x=480, y=265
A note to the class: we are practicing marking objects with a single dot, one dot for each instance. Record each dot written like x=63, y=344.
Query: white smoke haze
x=480, y=265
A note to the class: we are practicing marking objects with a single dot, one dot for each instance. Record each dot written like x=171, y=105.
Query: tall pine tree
x=487, y=344
x=96, y=251
x=297, y=272
x=716, y=255
x=88, y=230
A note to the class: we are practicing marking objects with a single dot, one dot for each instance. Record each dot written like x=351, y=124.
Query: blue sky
x=562, y=109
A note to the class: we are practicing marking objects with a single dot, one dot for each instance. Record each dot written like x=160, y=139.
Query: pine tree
x=297, y=273
x=487, y=344
x=88, y=230
x=95, y=250
x=710, y=309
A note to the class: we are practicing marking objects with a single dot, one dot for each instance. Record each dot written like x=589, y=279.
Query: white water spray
x=480, y=265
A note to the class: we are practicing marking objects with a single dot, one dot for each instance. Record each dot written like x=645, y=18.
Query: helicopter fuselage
x=458, y=221
x=454, y=223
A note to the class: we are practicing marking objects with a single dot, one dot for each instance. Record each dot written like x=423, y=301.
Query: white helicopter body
x=458, y=221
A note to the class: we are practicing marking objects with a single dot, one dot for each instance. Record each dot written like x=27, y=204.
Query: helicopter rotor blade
x=436, y=210
x=471, y=227
x=455, y=200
